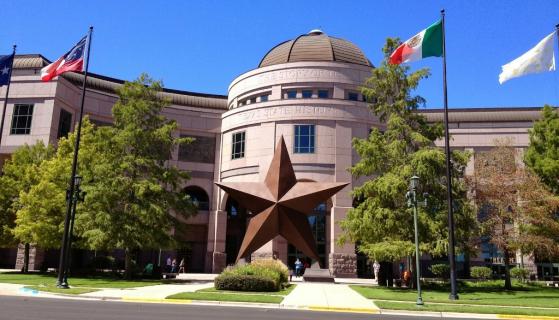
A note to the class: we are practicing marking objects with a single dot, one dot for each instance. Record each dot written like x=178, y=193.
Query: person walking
x=168, y=264
x=181, y=266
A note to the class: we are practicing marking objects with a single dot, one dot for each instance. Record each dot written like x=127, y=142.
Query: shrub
x=275, y=265
x=440, y=270
x=520, y=273
x=482, y=273
x=244, y=283
x=261, y=275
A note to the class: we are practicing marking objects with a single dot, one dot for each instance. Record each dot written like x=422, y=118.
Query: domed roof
x=315, y=46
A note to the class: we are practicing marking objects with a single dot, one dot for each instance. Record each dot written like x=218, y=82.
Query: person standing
x=174, y=266
x=298, y=267
x=376, y=269
x=168, y=264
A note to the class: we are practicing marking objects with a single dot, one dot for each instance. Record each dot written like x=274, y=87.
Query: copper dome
x=315, y=46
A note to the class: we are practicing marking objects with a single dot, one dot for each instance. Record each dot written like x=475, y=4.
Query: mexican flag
x=427, y=43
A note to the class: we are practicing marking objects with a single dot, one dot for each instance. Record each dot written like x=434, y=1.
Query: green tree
x=381, y=221
x=542, y=156
x=41, y=209
x=19, y=174
x=134, y=197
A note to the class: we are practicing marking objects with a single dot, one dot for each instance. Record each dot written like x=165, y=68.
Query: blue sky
x=201, y=46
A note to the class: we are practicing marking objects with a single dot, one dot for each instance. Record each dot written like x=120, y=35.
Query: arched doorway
x=192, y=237
x=237, y=219
x=199, y=197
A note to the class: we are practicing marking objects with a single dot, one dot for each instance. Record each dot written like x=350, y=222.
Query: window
x=21, y=120
x=353, y=96
x=304, y=138
x=238, y=145
x=64, y=123
x=307, y=94
x=323, y=94
x=264, y=98
x=202, y=149
x=291, y=94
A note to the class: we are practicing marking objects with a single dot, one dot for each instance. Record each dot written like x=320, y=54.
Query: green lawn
x=211, y=294
x=469, y=309
x=54, y=289
x=49, y=280
x=285, y=291
x=488, y=293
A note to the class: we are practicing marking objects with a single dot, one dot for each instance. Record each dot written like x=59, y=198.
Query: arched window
x=199, y=197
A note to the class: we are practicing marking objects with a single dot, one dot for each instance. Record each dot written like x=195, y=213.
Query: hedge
x=244, y=283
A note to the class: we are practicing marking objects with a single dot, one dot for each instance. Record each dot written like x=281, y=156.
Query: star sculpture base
x=280, y=205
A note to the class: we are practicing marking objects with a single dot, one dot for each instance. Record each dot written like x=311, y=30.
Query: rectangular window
x=307, y=94
x=264, y=98
x=202, y=149
x=304, y=138
x=64, y=123
x=21, y=119
x=353, y=96
x=238, y=145
x=323, y=94
x=292, y=94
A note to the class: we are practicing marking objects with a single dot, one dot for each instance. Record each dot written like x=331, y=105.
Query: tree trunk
x=508, y=284
x=127, y=264
x=25, y=258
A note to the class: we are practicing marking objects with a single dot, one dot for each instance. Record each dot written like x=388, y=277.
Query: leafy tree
x=381, y=221
x=517, y=212
x=132, y=187
x=41, y=209
x=19, y=174
x=542, y=156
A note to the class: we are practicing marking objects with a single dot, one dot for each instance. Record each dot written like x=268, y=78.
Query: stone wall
x=36, y=257
x=343, y=265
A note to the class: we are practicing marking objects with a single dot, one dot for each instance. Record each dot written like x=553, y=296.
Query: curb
x=341, y=309
x=512, y=317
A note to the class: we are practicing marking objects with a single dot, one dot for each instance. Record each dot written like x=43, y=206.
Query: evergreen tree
x=381, y=221
x=542, y=156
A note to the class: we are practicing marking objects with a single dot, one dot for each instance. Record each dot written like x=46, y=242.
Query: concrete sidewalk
x=327, y=296
x=149, y=292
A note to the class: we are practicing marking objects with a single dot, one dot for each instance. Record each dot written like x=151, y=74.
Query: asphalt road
x=25, y=308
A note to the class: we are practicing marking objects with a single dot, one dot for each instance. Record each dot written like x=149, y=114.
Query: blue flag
x=6, y=63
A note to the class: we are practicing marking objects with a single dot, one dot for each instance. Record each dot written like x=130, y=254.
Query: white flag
x=538, y=59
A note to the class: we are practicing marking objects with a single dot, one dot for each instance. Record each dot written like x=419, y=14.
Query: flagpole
x=453, y=294
x=7, y=91
x=62, y=281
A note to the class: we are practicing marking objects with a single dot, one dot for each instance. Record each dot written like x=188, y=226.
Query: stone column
x=342, y=259
x=217, y=230
x=36, y=257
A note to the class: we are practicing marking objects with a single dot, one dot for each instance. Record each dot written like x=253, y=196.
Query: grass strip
x=215, y=296
x=527, y=296
x=284, y=292
x=93, y=282
x=467, y=309
x=54, y=289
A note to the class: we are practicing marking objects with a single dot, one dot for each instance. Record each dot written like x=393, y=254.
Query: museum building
x=305, y=89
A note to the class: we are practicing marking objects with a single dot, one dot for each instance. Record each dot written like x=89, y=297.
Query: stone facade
x=265, y=103
x=343, y=265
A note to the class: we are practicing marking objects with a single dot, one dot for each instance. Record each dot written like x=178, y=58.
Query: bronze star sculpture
x=280, y=205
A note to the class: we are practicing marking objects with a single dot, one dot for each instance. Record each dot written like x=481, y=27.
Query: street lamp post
x=412, y=202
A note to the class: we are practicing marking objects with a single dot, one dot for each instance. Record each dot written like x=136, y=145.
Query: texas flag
x=71, y=61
